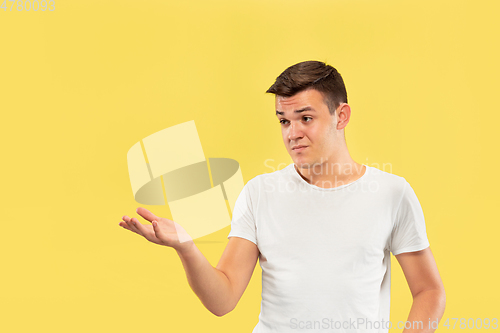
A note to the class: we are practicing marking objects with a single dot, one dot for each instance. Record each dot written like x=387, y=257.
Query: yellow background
x=80, y=85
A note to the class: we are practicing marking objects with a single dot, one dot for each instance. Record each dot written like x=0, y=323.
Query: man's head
x=312, y=75
x=311, y=106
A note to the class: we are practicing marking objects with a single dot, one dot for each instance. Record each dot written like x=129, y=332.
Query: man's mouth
x=299, y=147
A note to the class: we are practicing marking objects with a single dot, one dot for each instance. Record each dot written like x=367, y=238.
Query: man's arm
x=426, y=287
x=219, y=288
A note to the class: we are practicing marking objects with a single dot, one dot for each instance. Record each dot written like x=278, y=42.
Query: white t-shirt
x=325, y=252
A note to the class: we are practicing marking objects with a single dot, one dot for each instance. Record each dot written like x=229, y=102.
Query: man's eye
x=282, y=121
x=308, y=118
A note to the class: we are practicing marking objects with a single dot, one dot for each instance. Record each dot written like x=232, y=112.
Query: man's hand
x=219, y=288
x=162, y=231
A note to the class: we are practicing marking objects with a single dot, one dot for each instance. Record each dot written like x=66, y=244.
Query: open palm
x=162, y=231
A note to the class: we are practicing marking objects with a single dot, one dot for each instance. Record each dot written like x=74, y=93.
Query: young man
x=323, y=228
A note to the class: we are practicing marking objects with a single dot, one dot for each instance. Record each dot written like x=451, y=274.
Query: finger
x=126, y=219
x=125, y=226
x=135, y=225
x=146, y=231
x=146, y=214
x=129, y=223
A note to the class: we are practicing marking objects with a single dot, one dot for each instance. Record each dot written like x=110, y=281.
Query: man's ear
x=343, y=115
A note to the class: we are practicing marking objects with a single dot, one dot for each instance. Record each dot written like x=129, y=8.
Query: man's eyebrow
x=307, y=108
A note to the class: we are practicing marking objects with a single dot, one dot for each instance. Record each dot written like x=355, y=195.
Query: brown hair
x=312, y=75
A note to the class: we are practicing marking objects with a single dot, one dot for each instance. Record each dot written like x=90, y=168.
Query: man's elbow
x=221, y=312
x=442, y=298
x=435, y=296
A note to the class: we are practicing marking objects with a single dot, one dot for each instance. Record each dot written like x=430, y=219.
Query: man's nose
x=294, y=132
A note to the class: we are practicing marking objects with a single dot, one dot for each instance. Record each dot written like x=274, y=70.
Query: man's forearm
x=426, y=304
x=211, y=285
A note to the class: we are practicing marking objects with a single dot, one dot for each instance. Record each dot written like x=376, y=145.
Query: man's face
x=306, y=121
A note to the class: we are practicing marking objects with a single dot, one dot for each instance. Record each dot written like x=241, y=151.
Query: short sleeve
x=409, y=233
x=243, y=221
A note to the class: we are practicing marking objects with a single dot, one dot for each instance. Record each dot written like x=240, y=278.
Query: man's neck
x=331, y=174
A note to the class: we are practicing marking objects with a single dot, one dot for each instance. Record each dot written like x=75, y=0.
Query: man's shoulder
x=384, y=177
x=385, y=173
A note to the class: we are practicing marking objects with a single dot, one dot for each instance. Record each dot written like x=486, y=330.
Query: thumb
x=162, y=237
x=156, y=228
